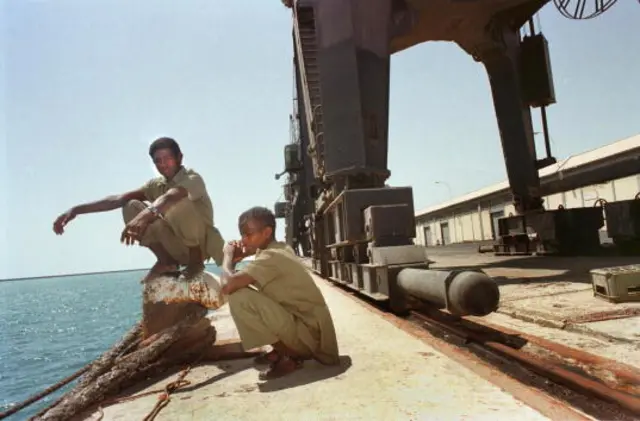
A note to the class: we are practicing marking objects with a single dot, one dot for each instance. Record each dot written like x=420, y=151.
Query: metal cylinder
x=464, y=293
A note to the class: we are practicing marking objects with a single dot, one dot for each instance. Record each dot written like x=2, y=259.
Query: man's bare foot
x=192, y=270
x=159, y=269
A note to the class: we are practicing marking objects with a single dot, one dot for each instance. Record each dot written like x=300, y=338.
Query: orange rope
x=164, y=398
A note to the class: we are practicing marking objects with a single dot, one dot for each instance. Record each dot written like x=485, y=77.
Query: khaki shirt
x=197, y=193
x=280, y=275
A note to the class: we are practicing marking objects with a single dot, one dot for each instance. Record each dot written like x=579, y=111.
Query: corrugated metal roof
x=574, y=161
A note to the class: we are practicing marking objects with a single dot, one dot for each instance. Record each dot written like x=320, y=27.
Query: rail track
x=587, y=385
x=611, y=388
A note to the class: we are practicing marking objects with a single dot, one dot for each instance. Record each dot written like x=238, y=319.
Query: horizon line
x=67, y=275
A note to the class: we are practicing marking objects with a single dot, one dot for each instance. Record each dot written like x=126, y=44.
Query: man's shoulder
x=190, y=172
x=285, y=258
x=155, y=181
x=188, y=176
x=278, y=248
x=273, y=252
x=278, y=245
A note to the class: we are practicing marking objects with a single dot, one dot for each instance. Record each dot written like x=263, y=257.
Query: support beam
x=514, y=120
x=353, y=58
x=304, y=179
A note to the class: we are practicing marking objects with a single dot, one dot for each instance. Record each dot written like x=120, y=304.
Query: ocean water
x=52, y=327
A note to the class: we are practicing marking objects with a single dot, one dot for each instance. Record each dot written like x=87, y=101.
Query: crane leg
x=360, y=226
x=514, y=122
x=532, y=229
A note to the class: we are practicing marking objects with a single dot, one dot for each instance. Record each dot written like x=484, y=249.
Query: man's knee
x=181, y=209
x=241, y=297
x=246, y=302
x=131, y=209
x=185, y=221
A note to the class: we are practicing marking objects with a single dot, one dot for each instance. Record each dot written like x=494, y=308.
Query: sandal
x=283, y=366
x=266, y=358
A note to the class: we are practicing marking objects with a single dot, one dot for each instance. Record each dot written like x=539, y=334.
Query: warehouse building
x=611, y=173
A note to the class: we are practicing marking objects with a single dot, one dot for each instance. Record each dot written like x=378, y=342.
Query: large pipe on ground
x=463, y=293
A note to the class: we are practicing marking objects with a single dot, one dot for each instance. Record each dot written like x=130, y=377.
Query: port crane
x=337, y=207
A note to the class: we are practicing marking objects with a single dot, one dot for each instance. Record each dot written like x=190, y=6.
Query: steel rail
x=543, y=367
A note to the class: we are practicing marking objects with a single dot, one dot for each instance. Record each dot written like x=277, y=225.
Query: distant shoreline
x=67, y=275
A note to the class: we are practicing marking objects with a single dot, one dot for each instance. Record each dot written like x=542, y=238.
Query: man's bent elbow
x=125, y=199
x=121, y=202
x=176, y=194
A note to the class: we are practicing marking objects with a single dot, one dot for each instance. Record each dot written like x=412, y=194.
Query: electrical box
x=280, y=209
x=623, y=220
x=535, y=72
x=617, y=284
x=351, y=204
x=292, y=161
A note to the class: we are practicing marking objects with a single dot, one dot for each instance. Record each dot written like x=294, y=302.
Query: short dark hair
x=261, y=215
x=165, y=143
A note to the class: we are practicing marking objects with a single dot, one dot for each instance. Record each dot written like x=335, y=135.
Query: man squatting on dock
x=274, y=300
x=177, y=226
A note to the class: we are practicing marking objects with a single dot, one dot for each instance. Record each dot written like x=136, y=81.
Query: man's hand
x=235, y=250
x=135, y=229
x=62, y=220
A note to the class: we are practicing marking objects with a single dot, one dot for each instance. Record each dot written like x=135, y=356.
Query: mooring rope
x=47, y=391
x=38, y=396
x=163, y=398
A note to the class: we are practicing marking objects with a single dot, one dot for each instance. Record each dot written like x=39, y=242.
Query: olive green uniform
x=287, y=306
x=188, y=223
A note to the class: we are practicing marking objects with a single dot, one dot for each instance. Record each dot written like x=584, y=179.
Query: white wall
x=485, y=215
x=466, y=226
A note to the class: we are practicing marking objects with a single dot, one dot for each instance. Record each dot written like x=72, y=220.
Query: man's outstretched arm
x=103, y=205
x=109, y=202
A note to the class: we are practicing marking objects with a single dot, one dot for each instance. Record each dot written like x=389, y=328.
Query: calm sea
x=51, y=327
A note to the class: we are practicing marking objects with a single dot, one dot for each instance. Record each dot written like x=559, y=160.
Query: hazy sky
x=89, y=83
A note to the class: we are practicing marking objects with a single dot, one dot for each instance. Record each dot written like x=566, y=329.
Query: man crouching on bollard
x=274, y=300
x=177, y=225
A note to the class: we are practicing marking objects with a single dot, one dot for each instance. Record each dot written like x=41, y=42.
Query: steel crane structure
x=338, y=209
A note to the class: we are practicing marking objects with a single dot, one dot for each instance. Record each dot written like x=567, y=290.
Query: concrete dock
x=392, y=370
x=386, y=374
x=552, y=297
